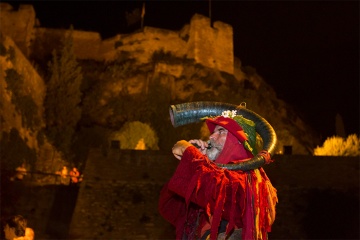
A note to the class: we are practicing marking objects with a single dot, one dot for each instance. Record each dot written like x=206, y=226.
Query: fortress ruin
x=210, y=46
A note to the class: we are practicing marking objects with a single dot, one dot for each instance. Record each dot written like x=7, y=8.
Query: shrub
x=338, y=146
x=23, y=103
x=134, y=132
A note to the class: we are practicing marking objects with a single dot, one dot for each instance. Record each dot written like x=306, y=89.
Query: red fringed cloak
x=200, y=192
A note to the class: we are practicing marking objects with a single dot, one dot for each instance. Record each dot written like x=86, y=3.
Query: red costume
x=201, y=196
x=74, y=174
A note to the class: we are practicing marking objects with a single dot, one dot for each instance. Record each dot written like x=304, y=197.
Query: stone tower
x=18, y=25
x=211, y=46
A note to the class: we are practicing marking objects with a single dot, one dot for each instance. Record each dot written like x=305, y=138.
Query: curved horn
x=186, y=113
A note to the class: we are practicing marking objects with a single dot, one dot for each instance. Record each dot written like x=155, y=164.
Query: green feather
x=249, y=129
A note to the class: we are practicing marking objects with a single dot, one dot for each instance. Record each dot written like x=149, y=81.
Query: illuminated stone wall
x=119, y=197
x=86, y=44
x=12, y=119
x=33, y=87
x=212, y=47
x=209, y=46
x=18, y=25
x=318, y=198
x=141, y=45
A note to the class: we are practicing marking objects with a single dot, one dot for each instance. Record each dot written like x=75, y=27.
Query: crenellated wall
x=142, y=45
x=118, y=199
x=212, y=47
x=206, y=45
x=18, y=25
x=87, y=45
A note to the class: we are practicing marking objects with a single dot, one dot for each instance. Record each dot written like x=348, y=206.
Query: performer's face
x=217, y=140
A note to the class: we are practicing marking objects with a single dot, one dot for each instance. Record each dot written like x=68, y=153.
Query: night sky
x=308, y=51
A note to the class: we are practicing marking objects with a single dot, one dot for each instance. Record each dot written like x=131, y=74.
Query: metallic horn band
x=186, y=113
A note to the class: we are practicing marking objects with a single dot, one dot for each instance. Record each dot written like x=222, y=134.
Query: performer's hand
x=202, y=145
x=179, y=148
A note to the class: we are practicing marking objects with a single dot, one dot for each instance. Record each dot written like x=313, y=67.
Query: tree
x=338, y=146
x=133, y=133
x=62, y=111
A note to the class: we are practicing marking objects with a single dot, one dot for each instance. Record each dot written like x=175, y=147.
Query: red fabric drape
x=222, y=194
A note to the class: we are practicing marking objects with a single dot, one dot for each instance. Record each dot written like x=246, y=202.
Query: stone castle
x=210, y=46
x=202, y=42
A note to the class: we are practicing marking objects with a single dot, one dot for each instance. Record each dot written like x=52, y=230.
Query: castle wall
x=318, y=198
x=121, y=190
x=86, y=44
x=211, y=47
x=208, y=46
x=18, y=25
x=45, y=41
x=142, y=45
x=33, y=86
x=224, y=47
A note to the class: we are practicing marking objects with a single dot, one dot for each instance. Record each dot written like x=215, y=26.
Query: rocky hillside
x=125, y=90
x=171, y=80
x=22, y=94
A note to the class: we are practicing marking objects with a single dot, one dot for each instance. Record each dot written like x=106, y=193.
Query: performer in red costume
x=205, y=201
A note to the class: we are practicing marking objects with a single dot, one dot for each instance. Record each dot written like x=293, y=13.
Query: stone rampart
x=141, y=45
x=318, y=198
x=33, y=86
x=224, y=47
x=18, y=25
x=122, y=188
x=212, y=47
x=86, y=44
x=209, y=46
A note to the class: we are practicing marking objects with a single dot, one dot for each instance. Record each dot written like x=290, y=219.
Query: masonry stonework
x=212, y=47
x=206, y=45
x=18, y=25
x=34, y=87
x=318, y=198
x=124, y=186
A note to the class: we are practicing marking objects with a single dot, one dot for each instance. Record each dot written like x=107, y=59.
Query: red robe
x=200, y=194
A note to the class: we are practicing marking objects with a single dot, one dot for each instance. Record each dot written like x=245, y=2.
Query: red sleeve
x=172, y=207
x=219, y=191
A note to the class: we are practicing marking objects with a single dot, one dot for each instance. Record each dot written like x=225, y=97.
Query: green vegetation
x=168, y=57
x=133, y=133
x=17, y=151
x=23, y=102
x=62, y=110
x=338, y=146
x=118, y=44
x=3, y=50
x=11, y=53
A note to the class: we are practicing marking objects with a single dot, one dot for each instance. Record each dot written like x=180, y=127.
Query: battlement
x=18, y=25
x=209, y=46
x=213, y=47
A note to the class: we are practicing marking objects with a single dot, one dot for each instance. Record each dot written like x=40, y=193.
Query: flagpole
x=210, y=11
x=142, y=15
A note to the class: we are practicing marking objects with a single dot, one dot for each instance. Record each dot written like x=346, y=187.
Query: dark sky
x=308, y=51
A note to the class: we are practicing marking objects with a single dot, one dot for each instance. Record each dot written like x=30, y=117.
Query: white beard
x=213, y=153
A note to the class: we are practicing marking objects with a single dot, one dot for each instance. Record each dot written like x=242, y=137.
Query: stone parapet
x=18, y=25
x=211, y=47
x=206, y=45
x=119, y=196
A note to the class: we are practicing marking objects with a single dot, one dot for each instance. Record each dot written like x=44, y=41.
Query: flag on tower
x=142, y=15
x=143, y=10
